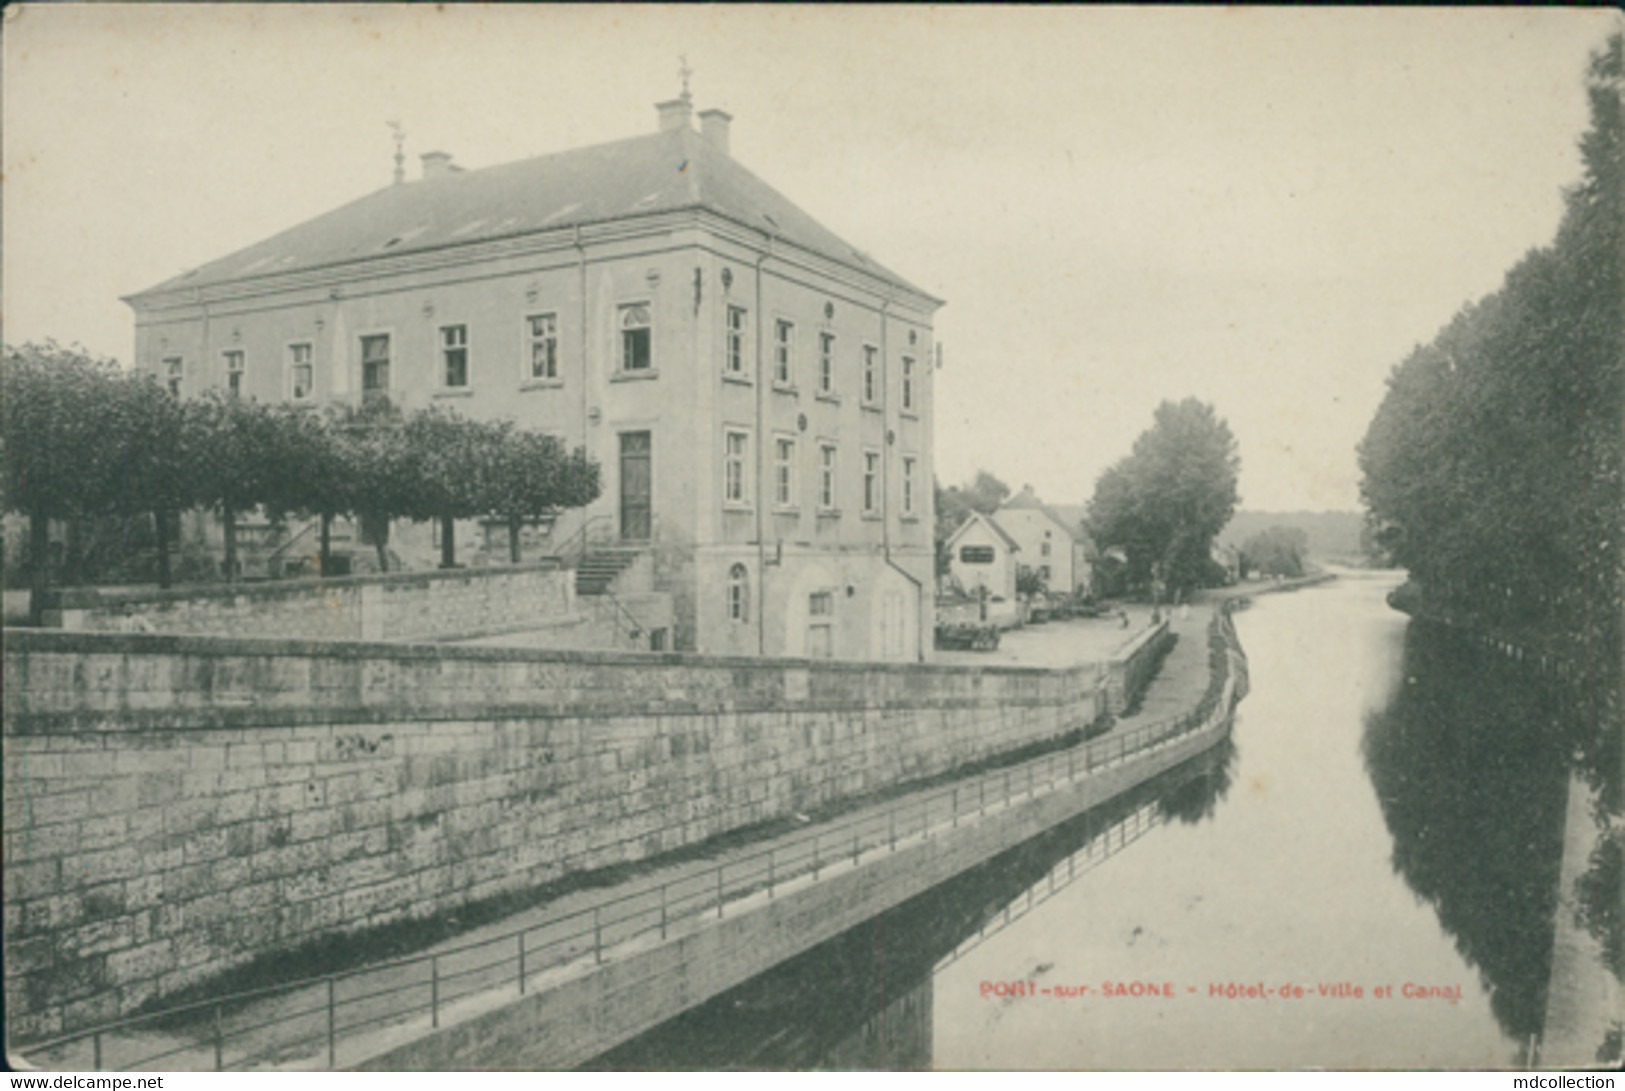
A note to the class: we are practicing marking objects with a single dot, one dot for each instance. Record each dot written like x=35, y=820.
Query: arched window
x=739, y=593
x=636, y=354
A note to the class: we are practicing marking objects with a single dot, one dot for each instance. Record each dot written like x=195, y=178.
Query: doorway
x=636, y=479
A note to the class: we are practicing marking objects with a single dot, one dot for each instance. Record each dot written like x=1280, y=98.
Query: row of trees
x=1164, y=503
x=84, y=439
x=1493, y=468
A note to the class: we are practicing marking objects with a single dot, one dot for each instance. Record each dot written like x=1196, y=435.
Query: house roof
x=977, y=517
x=657, y=173
x=1068, y=518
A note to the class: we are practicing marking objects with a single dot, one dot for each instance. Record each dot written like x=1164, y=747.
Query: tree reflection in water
x=1469, y=765
x=863, y=1000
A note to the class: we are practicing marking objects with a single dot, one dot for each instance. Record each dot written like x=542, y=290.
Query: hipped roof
x=657, y=173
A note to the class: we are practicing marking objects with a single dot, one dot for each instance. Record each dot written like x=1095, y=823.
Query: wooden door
x=636, y=480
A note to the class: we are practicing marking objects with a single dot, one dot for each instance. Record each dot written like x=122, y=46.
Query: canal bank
x=1582, y=1024
x=626, y=964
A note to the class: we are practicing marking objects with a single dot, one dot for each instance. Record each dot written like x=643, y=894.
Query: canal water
x=1363, y=877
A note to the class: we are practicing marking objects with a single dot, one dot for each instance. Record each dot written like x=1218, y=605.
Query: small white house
x=981, y=554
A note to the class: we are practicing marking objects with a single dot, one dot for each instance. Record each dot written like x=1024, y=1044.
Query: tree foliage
x=1276, y=551
x=1168, y=499
x=534, y=477
x=58, y=456
x=79, y=439
x=1492, y=469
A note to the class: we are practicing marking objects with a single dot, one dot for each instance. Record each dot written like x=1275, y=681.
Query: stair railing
x=574, y=548
x=637, y=625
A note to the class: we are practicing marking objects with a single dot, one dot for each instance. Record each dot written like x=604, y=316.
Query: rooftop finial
x=684, y=71
x=400, y=150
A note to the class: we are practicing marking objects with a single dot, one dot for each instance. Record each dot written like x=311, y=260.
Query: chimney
x=674, y=114
x=436, y=164
x=714, y=126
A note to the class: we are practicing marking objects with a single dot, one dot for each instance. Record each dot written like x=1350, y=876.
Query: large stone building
x=757, y=391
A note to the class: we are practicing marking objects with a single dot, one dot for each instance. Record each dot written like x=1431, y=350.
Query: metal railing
x=575, y=547
x=305, y=1023
x=1094, y=852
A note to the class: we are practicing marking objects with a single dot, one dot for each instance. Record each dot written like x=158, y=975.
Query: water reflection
x=864, y=1000
x=1469, y=764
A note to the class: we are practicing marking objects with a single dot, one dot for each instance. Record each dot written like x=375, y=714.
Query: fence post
x=1007, y=787
x=332, y=1023
x=770, y=873
x=719, y=892
x=434, y=990
x=981, y=792
x=96, y=1065
x=1031, y=788
x=855, y=850
x=892, y=821
x=219, y=1040
x=1071, y=766
x=956, y=807
x=521, y=963
x=662, y=910
x=597, y=937
x=815, y=857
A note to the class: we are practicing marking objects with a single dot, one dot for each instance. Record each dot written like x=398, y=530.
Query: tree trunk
x=39, y=549
x=448, y=543
x=513, y=540
x=228, y=521
x=325, y=564
x=380, y=543
x=73, y=553
x=161, y=519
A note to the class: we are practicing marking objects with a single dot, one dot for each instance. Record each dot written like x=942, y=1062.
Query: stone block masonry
x=176, y=806
x=397, y=606
x=1130, y=670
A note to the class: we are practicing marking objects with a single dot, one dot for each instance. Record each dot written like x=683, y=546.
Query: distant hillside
x=1331, y=533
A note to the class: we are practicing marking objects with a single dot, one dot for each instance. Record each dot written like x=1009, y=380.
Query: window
x=908, y=486
x=735, y=458
x=454, y=356
x=784, y=347
x=374, y=366
x=301, y=372
x=976, y=554
x=826, y=476
x=543, y=330
x=635, y=340
x=908, y=382
x=174, y=369
x=871, y=481
x=784, y=472
x=1043, y=548
x=234, y=372
x=821, y=604
x=871, y=373
x=1043, y=573
x=738, y=594
x=734, y=361
x=826, y=363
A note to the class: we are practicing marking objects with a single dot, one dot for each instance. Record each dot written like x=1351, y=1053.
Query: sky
x=1262, y=208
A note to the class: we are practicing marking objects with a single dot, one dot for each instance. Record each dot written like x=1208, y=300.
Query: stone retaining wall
x=176, y=806
x=1132, y=667
x=397, y=606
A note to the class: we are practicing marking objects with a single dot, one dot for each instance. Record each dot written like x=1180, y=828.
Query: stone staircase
x=599, y=568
